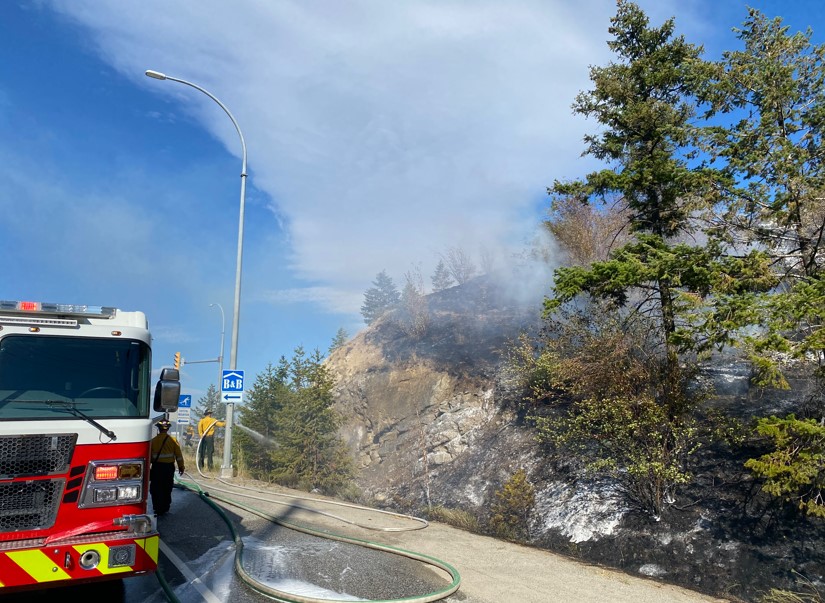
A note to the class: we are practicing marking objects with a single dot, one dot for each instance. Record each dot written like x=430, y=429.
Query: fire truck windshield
x=42, y=376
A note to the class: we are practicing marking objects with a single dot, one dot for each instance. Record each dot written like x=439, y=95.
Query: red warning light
x=29, y=306
x=105, y=472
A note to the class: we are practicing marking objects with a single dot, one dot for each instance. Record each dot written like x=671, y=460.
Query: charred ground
x=431, y=421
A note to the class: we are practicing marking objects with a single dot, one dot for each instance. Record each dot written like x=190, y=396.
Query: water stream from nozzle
x=261, y=439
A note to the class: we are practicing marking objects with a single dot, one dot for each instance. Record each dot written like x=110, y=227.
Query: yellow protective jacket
x=207, y=425
x=165, y=449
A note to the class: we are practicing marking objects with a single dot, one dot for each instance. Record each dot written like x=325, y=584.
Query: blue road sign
x=232, y=386
x=185, y=401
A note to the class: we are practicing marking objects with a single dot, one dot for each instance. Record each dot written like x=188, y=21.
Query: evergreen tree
x=311, y=454
x=654, y=283
x=290, y=407
x=211, y=401
x=642, y=101
x=441, y=278
x=341, y=337
x=379, y=299
x=264, y=401
x=772, y=93
x=795, y=469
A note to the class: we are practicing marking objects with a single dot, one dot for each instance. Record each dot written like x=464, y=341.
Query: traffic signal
x=177, y=360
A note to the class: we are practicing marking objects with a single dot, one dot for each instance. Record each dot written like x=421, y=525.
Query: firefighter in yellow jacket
x=165, y=452
x=206, y=431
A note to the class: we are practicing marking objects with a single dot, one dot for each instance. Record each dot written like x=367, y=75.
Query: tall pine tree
x=379, y=299
x=648, y=295
x=773, y=93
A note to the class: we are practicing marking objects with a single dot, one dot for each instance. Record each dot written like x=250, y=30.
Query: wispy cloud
x=383, y=133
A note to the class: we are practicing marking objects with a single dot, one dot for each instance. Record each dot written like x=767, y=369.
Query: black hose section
x=284, y=597
x=170, y=594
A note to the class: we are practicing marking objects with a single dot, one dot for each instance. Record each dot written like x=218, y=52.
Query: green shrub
x=510, y=513
x=795, y=469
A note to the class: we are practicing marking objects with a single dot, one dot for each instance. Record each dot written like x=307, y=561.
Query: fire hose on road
x=220, y=494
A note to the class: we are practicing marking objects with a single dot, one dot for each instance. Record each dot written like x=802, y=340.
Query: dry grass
x=808, y=594
x=454, y=517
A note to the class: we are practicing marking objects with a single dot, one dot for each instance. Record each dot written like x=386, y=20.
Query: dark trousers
x=161, y=482
x=207, y=450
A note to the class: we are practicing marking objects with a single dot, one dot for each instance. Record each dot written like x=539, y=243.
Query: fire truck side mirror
x=170, y=374
x=167, y=391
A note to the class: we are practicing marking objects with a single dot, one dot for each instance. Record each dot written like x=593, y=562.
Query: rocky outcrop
x=415, y=405
x=430, y=419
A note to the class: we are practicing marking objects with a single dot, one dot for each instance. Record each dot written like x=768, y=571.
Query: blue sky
x=379, y=136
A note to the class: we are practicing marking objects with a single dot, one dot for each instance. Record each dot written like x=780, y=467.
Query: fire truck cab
x=75, y=427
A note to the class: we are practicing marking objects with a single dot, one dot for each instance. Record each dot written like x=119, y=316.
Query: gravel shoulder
x=493, y=571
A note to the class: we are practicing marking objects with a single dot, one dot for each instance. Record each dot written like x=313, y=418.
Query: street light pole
x=226, y=470
x=220, y=356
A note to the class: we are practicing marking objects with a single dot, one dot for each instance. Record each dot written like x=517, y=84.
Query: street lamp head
x=156, y=74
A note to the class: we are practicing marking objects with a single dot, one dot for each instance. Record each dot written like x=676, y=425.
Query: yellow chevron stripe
x=38, y=565
x=103, y=566
x=151, y=546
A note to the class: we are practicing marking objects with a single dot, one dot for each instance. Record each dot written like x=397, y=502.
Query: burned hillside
x=431, y=421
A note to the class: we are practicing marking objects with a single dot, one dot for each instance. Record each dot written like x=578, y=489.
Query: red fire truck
x=75, y=426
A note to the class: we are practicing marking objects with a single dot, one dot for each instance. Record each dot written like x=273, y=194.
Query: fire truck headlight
x=128, y=493
x=113, y=482
x=104, y=495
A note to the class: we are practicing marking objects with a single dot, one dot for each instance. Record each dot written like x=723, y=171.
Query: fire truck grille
x=30, y=505
x=35, y=455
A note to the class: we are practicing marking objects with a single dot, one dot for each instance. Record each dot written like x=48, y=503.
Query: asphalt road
x=198, y=555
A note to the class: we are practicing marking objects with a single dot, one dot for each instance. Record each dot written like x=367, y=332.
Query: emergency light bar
x=30, y=307
x=42, y=322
